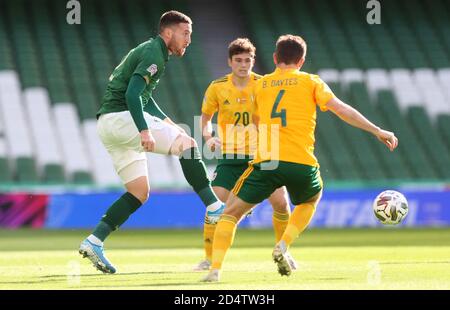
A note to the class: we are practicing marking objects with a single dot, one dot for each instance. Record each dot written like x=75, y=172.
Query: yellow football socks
x=223, y=238
x=208, y=237
x=298, y=221
x=280, y=222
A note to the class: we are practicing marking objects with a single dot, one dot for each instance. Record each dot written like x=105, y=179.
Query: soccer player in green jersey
x=130, y=123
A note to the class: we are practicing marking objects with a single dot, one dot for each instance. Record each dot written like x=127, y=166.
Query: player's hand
x=388, y=138
x=213, y=143
x=147, y=141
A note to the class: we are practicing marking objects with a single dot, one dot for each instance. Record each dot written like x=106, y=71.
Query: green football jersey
x=147, y=60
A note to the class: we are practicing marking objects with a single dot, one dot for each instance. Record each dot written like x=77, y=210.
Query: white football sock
x=93, y=239
x=214, y=206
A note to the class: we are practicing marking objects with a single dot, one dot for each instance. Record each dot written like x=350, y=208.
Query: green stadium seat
x=391, y=164
x=430, y=141
x=53, y=174
x=418, y=163
x=443, y=126
x=5, y=176
x=26, y=170
x=74, y=62
x=82, y=177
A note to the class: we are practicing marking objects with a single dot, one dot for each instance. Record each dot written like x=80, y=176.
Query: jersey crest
x=152, y=69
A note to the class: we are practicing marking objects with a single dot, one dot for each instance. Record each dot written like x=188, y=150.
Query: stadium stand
x=53, y=75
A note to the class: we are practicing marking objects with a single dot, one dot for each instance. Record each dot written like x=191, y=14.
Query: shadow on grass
x=115, y=275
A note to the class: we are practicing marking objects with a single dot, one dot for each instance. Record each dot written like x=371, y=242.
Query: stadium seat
x=26, y=170
x=444, y=80
x=99, y=55
x=381, y=163
x=377, y=79
x=20, y=35
x=116, y=34
x=6, y=61
x=428, y=84
x=77, y=164
x=405, y=88
x=329, y=75
x=396, y=73
x=5, y=175
x=16, y=127
x=177, y=172
x=160, y=174
x=102, y=166
x=56, y=78
x=430, y=142
x=443, y=126
x=78, y=63
x=349, y=76
x=427, y=35
x=48, y=154
x=414, y=155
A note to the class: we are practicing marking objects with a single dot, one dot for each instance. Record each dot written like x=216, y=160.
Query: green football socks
x=194, y=171
x=116, y=215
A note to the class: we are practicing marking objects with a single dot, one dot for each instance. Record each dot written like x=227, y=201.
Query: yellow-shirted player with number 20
x=232, y=98
x=286, y=102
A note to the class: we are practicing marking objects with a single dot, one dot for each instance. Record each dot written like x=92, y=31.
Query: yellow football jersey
x=286, y=103
x=235, y=109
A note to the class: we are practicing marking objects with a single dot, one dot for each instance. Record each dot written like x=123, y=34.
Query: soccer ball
x=390, y=207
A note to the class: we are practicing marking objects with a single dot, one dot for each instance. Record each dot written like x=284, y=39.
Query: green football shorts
x=258, y=182
x=228, y=172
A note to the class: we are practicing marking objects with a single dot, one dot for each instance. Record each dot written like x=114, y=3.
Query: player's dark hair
x=239, y=46
x=171, y=18
x=290, y=49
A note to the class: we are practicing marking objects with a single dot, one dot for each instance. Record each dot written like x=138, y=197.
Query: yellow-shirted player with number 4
x=232, y=98
x=286, y=102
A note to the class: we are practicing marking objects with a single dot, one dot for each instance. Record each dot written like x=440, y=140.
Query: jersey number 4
x=282, y=113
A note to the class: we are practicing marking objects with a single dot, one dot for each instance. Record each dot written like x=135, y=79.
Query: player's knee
x=234, y=208
x=182, y=143
x=139, y=188
x=235, y=212
x=142, y=195
x=280, y=205
x=221, y=193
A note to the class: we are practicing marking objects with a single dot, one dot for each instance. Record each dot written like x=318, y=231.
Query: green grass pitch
x=163, y=259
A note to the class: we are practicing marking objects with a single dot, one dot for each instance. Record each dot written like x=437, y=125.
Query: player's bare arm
x=207, y=132
x=351, y=116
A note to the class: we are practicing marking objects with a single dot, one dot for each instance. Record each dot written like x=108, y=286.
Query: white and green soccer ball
x=390, y=207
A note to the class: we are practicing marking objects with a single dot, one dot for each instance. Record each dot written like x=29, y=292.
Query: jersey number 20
x=245, y=118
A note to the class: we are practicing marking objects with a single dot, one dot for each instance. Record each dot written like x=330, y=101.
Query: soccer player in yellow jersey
x=286, y=101
x=232, y=98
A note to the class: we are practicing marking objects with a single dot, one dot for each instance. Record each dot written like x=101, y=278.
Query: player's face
x=181, y=38
x=241, y=64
